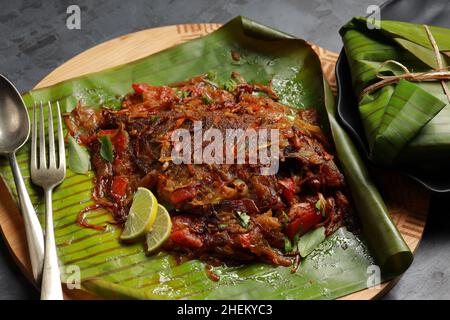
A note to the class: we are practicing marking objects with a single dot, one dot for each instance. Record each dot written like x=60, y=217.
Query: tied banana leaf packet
x=406, y=123
x=340, y=265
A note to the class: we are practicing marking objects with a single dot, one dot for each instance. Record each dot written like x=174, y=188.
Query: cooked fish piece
x=220, y=212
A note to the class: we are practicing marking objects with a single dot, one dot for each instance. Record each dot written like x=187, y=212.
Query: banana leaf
x=406, y=124
x=108, y=268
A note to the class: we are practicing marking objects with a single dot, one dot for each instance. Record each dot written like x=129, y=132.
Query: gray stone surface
x=35, y=40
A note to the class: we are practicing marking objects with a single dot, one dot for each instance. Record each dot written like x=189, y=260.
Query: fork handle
x=51, y=283
x=33, y=230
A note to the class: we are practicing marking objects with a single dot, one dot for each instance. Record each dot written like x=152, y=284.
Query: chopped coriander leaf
x=230, y=85
x=106, y=150
x=244, y=219
x=320, y=206
x=184, y=94
x=222, y=226
x=287, y=245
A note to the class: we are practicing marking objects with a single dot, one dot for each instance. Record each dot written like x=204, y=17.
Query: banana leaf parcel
x=406, y=122
x=342, y=264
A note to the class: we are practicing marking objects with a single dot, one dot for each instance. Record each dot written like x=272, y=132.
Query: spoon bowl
x=14, y=119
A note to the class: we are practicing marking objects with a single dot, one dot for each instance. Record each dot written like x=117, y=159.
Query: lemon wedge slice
x=160, y=230
x=142, y=215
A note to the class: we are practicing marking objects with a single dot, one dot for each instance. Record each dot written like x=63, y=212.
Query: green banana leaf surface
x=342, y=264
x=407, y=123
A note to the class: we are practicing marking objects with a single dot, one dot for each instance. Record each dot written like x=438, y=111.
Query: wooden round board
x=407, y=202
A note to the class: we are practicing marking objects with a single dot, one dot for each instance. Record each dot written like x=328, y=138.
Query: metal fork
x=48, y=176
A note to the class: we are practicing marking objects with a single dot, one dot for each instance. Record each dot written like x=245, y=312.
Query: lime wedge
x=160, y=230
x=142, y=215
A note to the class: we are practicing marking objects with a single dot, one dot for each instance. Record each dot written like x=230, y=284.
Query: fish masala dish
x=220, y=212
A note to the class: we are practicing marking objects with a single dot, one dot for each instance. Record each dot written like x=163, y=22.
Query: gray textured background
x=35, y=40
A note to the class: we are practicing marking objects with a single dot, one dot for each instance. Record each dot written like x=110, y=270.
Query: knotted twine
x=438, y=74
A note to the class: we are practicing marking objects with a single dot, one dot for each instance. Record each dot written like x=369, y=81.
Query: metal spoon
x=14, y=132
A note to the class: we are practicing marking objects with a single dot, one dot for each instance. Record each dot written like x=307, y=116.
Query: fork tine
x=34, y=140
x=51, y=139
x=42, y=155
x=62, y=150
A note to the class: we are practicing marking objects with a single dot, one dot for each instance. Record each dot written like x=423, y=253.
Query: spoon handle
x=33, y=230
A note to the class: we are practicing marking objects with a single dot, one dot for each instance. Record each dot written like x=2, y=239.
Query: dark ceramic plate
x=432, y=12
